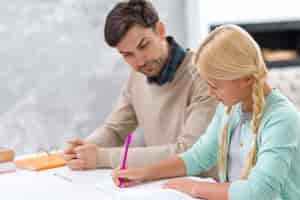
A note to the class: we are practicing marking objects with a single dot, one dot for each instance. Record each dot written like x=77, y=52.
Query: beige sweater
x=171, y=118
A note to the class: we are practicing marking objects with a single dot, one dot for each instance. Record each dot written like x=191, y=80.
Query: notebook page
x=37, y=186
x=101, y=181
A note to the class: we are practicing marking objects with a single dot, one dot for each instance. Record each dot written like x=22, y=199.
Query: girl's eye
x=127, y=55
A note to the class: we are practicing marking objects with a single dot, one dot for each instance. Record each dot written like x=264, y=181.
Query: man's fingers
x=69, y=150
x=76, y=164
x=80, y=149
x=81, y=152
x=72, y=144
x=76, y=142
x=68, y=157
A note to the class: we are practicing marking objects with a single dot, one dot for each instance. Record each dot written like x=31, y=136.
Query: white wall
x=217, y=11
x=58, y=78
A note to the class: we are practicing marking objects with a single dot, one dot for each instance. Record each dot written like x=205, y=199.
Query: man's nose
x=140, y=60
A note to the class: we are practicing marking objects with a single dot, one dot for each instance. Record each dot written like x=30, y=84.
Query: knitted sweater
x=171, y=117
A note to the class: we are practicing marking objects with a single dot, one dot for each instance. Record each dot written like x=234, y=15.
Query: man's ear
x=160, y=29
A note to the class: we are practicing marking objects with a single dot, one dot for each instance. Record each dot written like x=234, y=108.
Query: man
x=164, y=96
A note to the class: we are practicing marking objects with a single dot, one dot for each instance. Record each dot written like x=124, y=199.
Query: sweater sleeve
x=203, y=154
x=278, y=149
x=198, y=114
x=121, y=121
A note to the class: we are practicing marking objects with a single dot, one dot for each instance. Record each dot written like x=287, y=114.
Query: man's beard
x=154, y=65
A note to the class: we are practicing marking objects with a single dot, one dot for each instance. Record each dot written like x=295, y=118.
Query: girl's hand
x=184, y=185
x=129, y=177
x=202, y=190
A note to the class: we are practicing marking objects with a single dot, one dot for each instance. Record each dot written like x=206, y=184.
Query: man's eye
x=143, y=46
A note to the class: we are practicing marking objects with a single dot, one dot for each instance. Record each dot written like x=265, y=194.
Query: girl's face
x=230, y=92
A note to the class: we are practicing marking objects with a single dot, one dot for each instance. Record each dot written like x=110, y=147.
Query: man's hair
x=127, y=14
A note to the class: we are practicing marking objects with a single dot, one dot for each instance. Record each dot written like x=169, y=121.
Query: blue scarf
x=167, y=74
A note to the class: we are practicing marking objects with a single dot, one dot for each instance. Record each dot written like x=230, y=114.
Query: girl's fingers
x=116, y=181
x=121, y=173
x=128, y=183
x=172, y=184
x=129, y=177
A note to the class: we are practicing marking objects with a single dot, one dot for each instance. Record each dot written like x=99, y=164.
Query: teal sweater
x=276, y=174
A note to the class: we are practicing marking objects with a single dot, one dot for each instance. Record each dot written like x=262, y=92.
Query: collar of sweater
x=167, y=74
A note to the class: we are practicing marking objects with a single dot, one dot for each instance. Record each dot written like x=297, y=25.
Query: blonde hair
x=230, y=53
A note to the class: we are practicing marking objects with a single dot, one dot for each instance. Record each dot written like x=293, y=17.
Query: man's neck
x=174, y=56
x=167, y=53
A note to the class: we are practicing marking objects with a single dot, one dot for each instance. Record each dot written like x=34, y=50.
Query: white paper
x=36, y=186
x=101, y=180
x=79, y=185
x=156, y=194
x=7, y=167
x=151, y=190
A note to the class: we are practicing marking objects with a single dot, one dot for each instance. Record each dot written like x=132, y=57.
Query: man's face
x=144, y=49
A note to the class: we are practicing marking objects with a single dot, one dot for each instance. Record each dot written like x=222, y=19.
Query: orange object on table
x=41, y=162
x=6, y=155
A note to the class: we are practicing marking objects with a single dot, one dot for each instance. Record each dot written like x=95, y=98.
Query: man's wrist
x=102, y=158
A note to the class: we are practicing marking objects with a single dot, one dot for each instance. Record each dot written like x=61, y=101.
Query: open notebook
x=41, y=162
x=101, y=181
x=63, y=183
x=154, y=194
x=154, y=190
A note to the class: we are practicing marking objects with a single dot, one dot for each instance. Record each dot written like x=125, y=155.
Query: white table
x=62, y=183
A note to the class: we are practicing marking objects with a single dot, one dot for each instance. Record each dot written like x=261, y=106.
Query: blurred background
x=59, y=80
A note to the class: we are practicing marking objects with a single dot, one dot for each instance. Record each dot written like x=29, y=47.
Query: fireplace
x=279, y=41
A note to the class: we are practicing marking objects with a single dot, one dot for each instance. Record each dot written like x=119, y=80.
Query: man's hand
x=69, y=152
x=80, y=155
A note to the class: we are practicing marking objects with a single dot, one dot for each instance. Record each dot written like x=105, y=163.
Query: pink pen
x=126, y=146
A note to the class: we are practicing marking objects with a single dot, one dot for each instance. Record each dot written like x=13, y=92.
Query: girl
x=252, y=137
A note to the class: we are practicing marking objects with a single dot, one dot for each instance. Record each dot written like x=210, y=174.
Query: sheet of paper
x=7, y=167
x=101, y=180
x=85, y=177
x=154, y=194
x=63, y=183
x=37, y=186
x=154, y=190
